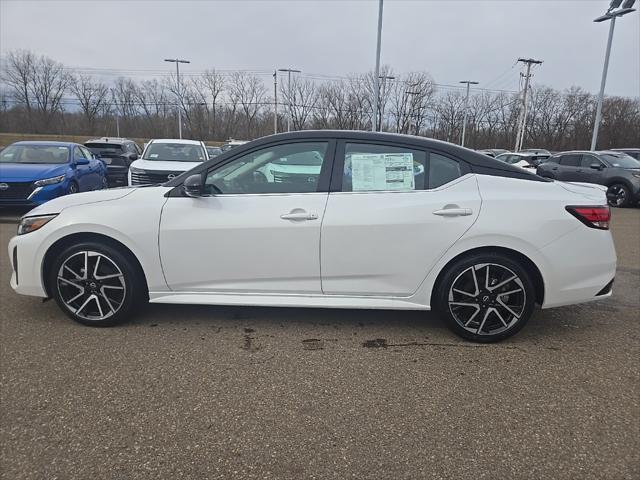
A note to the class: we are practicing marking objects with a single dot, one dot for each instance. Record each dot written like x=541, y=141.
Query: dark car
x=615, y=170
x=117, y=154
x=632, y=152
x=522, y=159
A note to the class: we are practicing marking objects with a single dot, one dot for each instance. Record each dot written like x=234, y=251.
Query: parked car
x=117, y=154
x=539, y=152
x=632, y=152
x=213, y=151
x=165, y=159
x=33, y=172
x=492, y=152
x=231, y=143
x=619, y=172
x=521, y=159
x=380, y=237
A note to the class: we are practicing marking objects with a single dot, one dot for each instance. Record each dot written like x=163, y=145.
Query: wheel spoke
x=106, y=299
x=78, y=277
x=475, y=281
x=86, y=302
x=76, y=297
x=508, y=308
x=509, y=292
x=107, y=277
x=504, y=282
x=484, y=319
x=95, y=269
x=69, y=282
x=85, y=274
x=472, y=295
x=500, y=317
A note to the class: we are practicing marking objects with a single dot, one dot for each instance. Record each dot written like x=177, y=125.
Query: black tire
x=516, y=307
x=618, y=195
x=73, y=188
x=119, y=304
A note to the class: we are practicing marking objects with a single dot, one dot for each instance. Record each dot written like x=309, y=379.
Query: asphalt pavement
x=246, y=392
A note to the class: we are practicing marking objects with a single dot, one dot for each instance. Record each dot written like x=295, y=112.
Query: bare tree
x=303, y=100
x=92, y=97
x=250, y=92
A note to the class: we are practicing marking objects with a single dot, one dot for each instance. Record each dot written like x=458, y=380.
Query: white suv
x=165, y=159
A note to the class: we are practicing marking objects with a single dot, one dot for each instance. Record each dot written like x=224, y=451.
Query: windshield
x=105, y=149
x=174, y=152
x=621, y=160
x=45, y=154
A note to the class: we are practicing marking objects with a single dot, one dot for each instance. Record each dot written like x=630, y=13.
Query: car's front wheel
x=95, y=284
x=485, y=297
x=618, y=195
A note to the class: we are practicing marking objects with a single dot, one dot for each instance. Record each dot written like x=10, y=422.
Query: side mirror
x=82, y=161
x=596, y=166
x=192, y=186
x=134, y=156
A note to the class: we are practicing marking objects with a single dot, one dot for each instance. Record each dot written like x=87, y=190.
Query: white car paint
x=236, y=249
x=166, y=166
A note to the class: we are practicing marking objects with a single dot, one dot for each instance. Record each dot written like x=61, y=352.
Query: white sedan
x=477, y=240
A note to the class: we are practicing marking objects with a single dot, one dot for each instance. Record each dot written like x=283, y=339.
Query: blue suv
x=32, y=173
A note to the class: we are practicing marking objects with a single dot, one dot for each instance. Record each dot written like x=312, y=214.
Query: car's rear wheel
x=618, y=195
x=95, y=284
x=485, y=297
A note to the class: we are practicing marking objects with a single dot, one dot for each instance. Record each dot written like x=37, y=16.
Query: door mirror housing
x=192, y=186
x=596, y=166
x=82, y=161
x=134, y=156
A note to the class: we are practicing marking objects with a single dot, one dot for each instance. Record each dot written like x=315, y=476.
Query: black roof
x=478, y=162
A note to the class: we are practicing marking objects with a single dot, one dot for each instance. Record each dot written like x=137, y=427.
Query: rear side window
x=570, y=160
x=371, y=168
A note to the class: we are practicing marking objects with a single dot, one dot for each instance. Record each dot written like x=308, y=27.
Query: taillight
x=594, y=217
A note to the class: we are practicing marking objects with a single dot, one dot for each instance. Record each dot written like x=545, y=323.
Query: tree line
x=40, y=95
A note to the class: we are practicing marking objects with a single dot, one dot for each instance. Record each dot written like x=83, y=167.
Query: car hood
x=162, y=166
x=29, y=172
x=58, y=204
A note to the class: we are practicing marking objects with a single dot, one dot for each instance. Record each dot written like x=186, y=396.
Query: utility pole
x=376, y=74
x=275, y=101
x=384, y=79
x=289, y=72
x=522, y=119
x=466, y=109
x=178, y=61
x=612, y=14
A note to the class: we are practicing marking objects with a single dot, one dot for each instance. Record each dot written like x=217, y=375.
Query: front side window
x=80, y=155
x=290, y=168
x=34, y=154
x=621, y=160
x=588, y=160
x=174, y=152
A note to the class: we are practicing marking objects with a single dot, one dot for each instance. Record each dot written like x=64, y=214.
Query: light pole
x=384, y=79
x=178, y=61
x=466, y=109
x=289, y=72
x=611, y=14
x=376, y=75
x=275, y=101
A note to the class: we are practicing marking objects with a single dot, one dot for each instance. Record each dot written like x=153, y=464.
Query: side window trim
x=338, y=168
x=325, y=170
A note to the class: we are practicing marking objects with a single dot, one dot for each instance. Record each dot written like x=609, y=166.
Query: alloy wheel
x=91, y=285
x=487, y=299
x=616, y=195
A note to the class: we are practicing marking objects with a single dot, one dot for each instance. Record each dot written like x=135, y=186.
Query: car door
x=82, y=170
x=569, y=167
x=393, y=211
x=589, y=174
x=250, y=233
x=97, y=169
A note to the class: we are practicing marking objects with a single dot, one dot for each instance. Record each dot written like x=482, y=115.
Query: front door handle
x=453, y=212
x=298, y=214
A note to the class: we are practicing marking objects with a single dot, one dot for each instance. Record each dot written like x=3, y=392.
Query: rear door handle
x=299, y=215
x=453, y=212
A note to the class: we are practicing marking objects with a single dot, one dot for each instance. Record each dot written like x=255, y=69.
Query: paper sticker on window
x=382, y=171
x=153, y=155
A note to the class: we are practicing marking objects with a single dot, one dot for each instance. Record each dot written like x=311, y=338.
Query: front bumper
x=34, y=196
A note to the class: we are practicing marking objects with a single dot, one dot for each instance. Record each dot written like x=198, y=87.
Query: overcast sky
x=453, y=40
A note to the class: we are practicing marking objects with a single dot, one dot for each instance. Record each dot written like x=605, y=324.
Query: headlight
x=31, y=224
x=50, y=181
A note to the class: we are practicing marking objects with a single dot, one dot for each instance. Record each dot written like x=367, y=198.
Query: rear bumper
x=580, y=267
x=117, y=176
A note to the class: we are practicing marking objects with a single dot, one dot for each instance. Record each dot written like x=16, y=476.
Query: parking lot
x=227, y=392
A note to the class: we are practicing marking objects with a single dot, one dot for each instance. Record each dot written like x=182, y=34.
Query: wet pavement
x=246, y=392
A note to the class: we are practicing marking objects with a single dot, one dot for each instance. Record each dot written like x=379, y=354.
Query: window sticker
x=382, y=171
x=153, y=155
